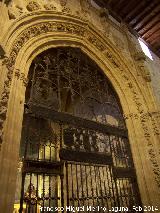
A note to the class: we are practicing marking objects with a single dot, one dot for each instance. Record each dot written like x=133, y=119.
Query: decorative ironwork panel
x=66, y=80
x=90, y=185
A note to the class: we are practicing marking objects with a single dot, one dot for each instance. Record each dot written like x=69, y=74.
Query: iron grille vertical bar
x=105, y=189
x=43, y=190
x=22, y=192
x=67, y=184
x=36, y=191
x=72, y=176
x=124, y=186
x=49, y=191
x=77, y=185
x=101, y=189
x=62, y=190
x=81, y=177
x=86, y=178
x=91, y=185
x=120, y=192
x=95, y=177
x=109, y=188
x=30, y=185
x=124, y=152
x=112, y=186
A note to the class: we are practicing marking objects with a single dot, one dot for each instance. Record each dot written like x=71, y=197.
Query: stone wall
x=154, y=67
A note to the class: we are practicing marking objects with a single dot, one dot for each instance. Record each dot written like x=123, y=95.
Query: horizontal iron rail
x=48, y=113
x=32, y=166
x=120, y=172
x=87, y=157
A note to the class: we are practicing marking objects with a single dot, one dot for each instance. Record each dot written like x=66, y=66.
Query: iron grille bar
x=49, y=113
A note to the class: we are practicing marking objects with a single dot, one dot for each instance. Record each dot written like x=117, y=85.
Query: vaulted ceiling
x=143, y=16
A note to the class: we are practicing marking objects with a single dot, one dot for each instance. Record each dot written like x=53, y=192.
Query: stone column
x=9, y=154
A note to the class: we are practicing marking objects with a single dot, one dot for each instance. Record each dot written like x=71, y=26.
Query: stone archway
x=27, y=42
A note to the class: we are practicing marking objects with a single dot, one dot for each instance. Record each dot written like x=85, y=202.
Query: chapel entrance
x=74, y=145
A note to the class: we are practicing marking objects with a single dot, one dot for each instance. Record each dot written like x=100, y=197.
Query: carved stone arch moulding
x=88, y=34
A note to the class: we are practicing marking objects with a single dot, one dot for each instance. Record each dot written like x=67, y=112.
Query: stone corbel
x=140, y=58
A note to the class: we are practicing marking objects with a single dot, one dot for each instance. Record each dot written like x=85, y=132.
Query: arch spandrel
x=132, y=100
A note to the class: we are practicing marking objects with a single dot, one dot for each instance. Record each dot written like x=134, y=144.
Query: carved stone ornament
x=50, y=7
x=33, y=6
x=11, y=14
x=63, y=2
x=66, y=10
x=140, y=59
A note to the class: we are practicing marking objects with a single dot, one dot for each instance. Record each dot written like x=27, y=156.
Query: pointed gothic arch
x=25, y=43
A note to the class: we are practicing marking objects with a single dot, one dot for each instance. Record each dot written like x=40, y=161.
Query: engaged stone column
x=9, y=153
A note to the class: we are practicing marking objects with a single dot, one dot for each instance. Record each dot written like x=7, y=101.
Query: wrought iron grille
x=66, y=80
x=72, y=155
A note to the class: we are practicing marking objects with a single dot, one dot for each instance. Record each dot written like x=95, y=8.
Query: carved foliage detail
x=33, y=6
